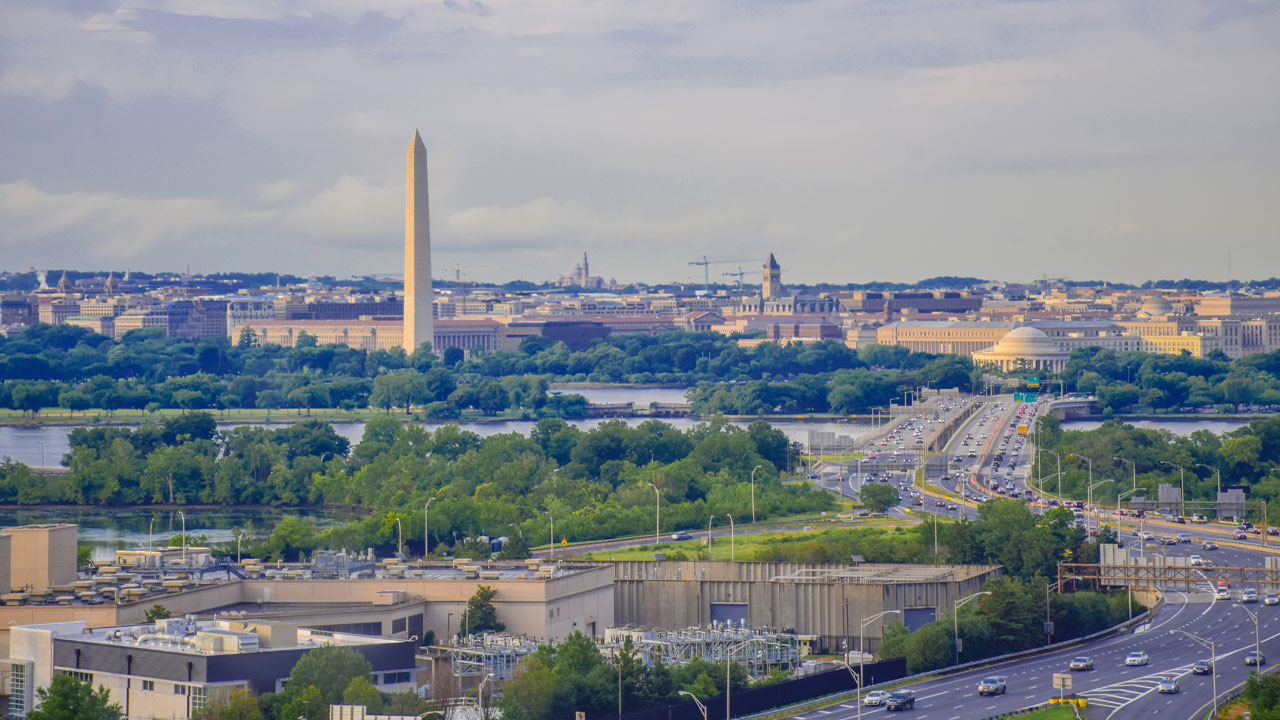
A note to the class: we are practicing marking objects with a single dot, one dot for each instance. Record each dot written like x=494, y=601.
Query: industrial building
x=822, y=603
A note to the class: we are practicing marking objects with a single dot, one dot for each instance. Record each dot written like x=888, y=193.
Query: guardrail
x=989, y=662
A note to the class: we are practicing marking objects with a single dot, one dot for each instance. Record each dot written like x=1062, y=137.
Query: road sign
x=564, y=542
x=1061, y=681
x=1033, y=382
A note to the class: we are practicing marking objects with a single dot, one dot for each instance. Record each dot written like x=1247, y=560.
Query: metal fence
x=788, y=692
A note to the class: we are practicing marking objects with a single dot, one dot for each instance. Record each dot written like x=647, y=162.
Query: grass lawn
x=744, y=547
x=835, y=457
x=1058, y=712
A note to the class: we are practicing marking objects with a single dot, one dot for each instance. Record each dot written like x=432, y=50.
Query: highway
x=1115, y=691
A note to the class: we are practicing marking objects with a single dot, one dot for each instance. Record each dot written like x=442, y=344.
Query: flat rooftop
x=183, y=636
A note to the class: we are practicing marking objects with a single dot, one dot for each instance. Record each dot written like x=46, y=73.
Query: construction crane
x=739, y=274
x=457, y=273
x=706, y=269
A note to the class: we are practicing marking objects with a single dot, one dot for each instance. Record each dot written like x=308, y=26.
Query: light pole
x=657, y=513
x=399, y=537
x=713, y=517
x=151, y=526
x=862, y=653
x=731, y=551
x=184, y=536
x=1093, y=510
x=753, y=493
x=1213, y=663
x=955, y=618
x=1132, y=465
x=1257, y=641
x=1058, y=474
x=696, y=701
x=1182, y=485
x=1086, y=459
x=426, y=528
x=1217, y=474
x=1048, y=634
x=552, y=518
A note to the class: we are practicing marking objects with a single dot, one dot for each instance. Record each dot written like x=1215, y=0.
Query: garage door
x=915, y=618
x=735, y=613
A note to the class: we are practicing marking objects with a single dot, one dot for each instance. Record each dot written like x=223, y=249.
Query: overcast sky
x=858, y=141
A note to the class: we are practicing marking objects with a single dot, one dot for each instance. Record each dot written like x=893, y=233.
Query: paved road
x=1115, y=691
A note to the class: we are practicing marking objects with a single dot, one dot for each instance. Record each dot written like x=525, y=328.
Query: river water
x=108, y=529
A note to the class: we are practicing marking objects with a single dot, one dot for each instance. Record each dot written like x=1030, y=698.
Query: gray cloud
x=866, y=140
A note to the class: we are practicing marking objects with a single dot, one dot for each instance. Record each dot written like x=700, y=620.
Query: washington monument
x=419, y=325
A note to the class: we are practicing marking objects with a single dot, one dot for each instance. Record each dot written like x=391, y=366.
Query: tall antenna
x=1228, y=269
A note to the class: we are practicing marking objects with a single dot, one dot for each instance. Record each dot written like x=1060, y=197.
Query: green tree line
x=592, y=484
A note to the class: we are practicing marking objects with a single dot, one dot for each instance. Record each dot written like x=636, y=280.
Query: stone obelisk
x=419, y=325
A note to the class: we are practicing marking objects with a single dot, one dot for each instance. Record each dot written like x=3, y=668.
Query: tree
x=68, y=698
x=360, y=691
x=331, y=669
x=480, y=615
x=241, y=706
x=158, y=612
x=878, y=497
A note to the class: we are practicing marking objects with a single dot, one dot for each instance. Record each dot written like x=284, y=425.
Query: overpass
x=1073, y=407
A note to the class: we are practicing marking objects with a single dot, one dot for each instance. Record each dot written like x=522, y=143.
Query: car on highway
x=900, y=700
x=1239, y=535
x=1196, y=561
x=994, y=685
x=1208, y=545
x=1081, y=663
x=681, y=536
x=1202, y=667
x=1168, y=684
x=1249, y=596
x=1255, y=658
x=1146, y=535
x=1168, y=540
x=1199, y=519
x=1184, y=538
x=1136, y=658
x=1271, y=599
x=1222, y=594
x=875, y=698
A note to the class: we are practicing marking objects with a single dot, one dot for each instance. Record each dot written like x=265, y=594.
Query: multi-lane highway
x=1115, y=691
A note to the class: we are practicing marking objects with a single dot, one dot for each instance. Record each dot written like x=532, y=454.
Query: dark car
x=900, y=700
x=1255, y=658
x=1202, y=667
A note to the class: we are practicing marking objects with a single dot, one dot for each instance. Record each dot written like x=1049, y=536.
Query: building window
x=149, y=685
x=17, y=689
x=179, y=689
x=198, y=698
x=77, y=674
x=395, y=678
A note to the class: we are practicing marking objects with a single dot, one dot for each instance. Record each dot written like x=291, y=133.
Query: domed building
x=1155, y=306
x=1024, y=348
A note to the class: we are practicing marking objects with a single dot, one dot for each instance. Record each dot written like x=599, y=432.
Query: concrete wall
x=681, y=594
x=5, y=553
x=41, y=555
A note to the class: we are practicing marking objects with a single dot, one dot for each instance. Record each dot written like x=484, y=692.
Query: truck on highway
x=994, y=685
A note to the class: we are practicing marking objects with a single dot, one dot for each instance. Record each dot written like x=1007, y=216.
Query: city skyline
x=858, y=138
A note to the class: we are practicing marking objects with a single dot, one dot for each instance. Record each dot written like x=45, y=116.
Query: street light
x=713, y=517
x=1213, y=663
x=184, y=536
x=731, y=552
x=753, y=493
x=1058, y=474
x=1092, y=508
x=1133, y=465
x=657, y=513
x=1217, y=475
x=1182, y=491
x=1257, y=641
x=399, y=537
x=426, y=528
x=697, y=702
x=955, y=618
x=862, y=653
x=552, y=518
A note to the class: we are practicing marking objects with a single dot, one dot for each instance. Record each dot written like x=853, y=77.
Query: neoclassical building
x=1024, y=348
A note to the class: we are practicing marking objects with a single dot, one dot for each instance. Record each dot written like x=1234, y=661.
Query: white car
x=1137, y=658
x=1196, y=561
x=875, y=698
